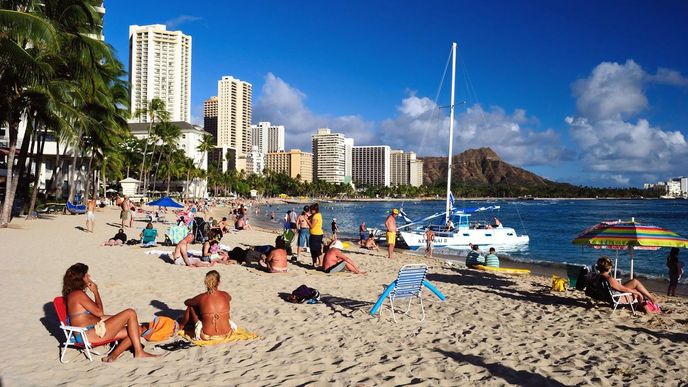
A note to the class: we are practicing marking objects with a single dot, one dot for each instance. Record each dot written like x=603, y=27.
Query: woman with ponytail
x=209, y=311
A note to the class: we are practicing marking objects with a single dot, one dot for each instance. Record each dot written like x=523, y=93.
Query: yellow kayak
x=504, y=270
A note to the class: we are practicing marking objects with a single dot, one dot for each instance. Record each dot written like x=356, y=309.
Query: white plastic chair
x=71, y=332
x=619, y=298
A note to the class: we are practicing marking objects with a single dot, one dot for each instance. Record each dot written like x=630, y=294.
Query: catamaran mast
x=451, y=134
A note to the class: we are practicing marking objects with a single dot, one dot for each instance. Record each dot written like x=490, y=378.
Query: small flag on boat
x=451, y=199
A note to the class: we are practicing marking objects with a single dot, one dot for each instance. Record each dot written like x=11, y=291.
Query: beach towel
x=177, y=233
x=239, y=334
x=160, y=329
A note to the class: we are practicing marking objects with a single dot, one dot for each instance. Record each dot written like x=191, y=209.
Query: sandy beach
x=491, y=330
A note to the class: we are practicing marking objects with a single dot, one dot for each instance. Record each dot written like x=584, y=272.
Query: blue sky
x=592, y=93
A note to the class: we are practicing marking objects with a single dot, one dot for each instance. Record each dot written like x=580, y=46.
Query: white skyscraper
x=329, y=156
x=160, y=66
x=267, y=137
x=255, y=161
x=234, y=105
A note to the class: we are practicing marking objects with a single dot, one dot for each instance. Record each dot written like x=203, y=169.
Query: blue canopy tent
x=165, y=201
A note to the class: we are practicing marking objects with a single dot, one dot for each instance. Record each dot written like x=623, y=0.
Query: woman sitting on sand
x=118, y=240
x=276, y=260
x=84, y=312
x=604, y=265
x=209, y=311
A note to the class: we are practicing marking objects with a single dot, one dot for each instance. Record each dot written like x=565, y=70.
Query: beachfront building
x=160, y=66
x=416, y=172
x=330, y=156
x=267, y=137
x=210, y=116
x=223, y=158
x=406, y=169
x=295, y=163
x=234, y=107
x=676, y=187
x=255, y=161
x=371, y=165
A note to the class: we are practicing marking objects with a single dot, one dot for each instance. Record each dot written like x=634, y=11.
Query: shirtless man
x=90, y=214
x=334, y=257
x=429, y=238
x=181, y=257
x=124, y=212
x=391, y=224
x=276, y=261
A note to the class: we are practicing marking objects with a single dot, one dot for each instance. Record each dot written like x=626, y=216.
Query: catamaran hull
x=504, y=237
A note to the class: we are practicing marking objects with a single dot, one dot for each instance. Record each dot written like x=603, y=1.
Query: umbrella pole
x=616, y=262
x=630, y=252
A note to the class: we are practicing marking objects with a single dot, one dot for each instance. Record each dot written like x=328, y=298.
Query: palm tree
x=169, y=134
x=154, y=110
x=206, y=144
x=26, y=39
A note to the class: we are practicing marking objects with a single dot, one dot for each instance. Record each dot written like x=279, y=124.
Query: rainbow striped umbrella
x=631, y=235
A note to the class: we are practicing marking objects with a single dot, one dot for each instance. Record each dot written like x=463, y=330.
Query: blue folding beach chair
x=409, y=284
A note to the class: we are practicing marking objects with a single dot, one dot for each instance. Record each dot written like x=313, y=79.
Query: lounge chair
x=409, y=284
x=599, y=289
x=71, y=332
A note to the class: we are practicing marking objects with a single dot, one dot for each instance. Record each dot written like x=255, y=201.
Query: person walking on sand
x=429, y=239
x=391, y=225
x=675, y=271
x=335, y=228
x=90, y=214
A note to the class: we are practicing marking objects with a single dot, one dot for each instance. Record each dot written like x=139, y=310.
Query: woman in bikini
x=82, y=311
x=209, y=311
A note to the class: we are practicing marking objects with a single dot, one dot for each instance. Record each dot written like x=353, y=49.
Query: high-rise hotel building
x=294, y=163
x=210, y=116
x=267, y=137
x=330, y=156
x=371, y=165
x=406, y=169
x=160, y=66
x=234, y=106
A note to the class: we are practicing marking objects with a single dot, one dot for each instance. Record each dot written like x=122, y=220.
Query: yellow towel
x=238, y=335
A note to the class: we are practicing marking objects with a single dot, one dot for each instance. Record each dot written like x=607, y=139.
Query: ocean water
x=551, y=225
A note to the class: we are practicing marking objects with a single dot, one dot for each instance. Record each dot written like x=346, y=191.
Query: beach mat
x=240, y=334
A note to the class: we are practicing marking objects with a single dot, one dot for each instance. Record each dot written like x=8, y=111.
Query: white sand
x=492, y=330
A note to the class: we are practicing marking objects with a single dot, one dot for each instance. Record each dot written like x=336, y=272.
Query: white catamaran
x=456, y=231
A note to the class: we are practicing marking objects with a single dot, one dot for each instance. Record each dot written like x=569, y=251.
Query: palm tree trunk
x=21, y=164
x=143, y=161
x=36, y=179
x=169, y=175
x=72, y=175
x=9, y=195
x=87, y=187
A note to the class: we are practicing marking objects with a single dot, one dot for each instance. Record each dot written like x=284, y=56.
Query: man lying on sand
x=335, y=260
x=209, y=311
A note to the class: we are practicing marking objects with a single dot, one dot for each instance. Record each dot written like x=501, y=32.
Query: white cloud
x=610, y=140
x=422, y=128
x=611, y=91
x=181, y=19
x=283, y=104
x=669, y=77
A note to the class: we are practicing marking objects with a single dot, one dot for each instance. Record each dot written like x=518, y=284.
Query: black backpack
x=582, y=280
x=303, y=293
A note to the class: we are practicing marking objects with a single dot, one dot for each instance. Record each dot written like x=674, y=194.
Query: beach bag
x=160, y=329
x=582, y=280
x=303, y=293
x=651, y=308
x=558, y=284
x=132, y=242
